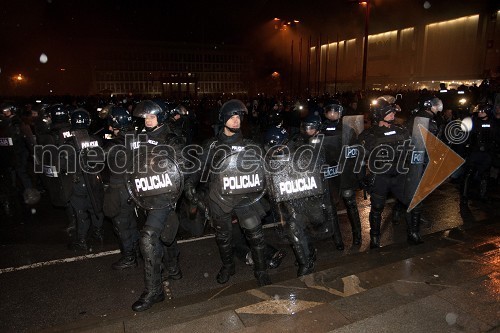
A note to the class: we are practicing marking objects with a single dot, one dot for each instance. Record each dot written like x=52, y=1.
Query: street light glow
x=19, y=77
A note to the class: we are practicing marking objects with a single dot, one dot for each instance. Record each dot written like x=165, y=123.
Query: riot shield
x=83, y=144
x=417, y=157
x=288, y=181
x=55, y=179
x=156, y=181
x=64, y=134
x=6, y=145
x=239, y=178
x=333, y=148
x=352, y=126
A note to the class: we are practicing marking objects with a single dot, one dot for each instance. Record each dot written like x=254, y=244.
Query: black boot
x=304, y=258
x=255, y=237
x=152, y=251
x=173, y=272
x=79, y=245
x=137, y=249
x=71, y=228
x=226, y=255
x=464, y=188
x=305, y=253
x=98, y=235
x=337, y=236
x=171, y=262
x=225, y=272
x=375, y=222
x=128, y=260
x=276, y=259
x=397, y=213
x=413, y=225
x=483, y=188
x=353, y=215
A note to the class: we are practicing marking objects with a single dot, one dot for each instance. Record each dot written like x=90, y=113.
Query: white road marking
x=107, y=253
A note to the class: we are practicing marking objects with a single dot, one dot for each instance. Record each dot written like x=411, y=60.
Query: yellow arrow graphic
x=442, y=163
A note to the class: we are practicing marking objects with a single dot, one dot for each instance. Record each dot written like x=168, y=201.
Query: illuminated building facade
x=170, y=70
x=462, y=50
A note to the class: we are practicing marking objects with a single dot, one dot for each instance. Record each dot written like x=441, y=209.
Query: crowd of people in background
x=270, y=121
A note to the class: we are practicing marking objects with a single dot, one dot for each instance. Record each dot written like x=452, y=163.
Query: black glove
x=190, y=192
x=201, y=206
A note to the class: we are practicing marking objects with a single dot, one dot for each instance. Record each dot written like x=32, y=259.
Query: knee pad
x=349, y=198
x=149, y=234
x=347, y=194
x=249, y=222
x=149, y=243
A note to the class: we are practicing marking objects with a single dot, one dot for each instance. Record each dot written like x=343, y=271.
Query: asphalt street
x=43, y=284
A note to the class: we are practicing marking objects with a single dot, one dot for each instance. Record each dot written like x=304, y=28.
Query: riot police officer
x=88, y=192
x=19, y=142
x=483, y=145
x=52, y=132
x=287, y=203
x=182, y=122
x=9, y=134
x=426, y=116
x=158, y=237
x=326, y=218
x=225, y=199
x=116, y=197
x=384, y=143
x=430, y=109
x=339, y=137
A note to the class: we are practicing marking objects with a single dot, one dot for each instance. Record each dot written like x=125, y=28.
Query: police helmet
x=275, y=136
x=178, y=110
x=483, y=107
x=274, y=118
x=233, y=107
x=312, y=121
x=436, y=102
x=80, y=119
x=382, y=106
x=146, y=107
x=59, y=114
x=105, y=111
x=6, y=107
x=120, y=118
x=162, y=104
x=41, y=108
x=334, y=105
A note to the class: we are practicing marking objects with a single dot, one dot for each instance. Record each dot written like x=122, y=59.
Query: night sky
x=60, y=28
